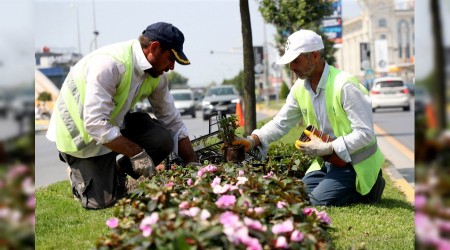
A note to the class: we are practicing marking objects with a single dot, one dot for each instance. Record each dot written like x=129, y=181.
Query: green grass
x=61, y=222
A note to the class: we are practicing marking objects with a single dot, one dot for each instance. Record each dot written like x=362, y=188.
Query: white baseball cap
x=302, y=41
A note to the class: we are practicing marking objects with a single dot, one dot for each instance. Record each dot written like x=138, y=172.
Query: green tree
x=176, y=80
x=237, y=81
x=44, y=97
x=293, y=15
x=284, y=91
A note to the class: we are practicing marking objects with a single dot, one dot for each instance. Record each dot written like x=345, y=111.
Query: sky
x=423, y=42
x=16, y=43
x=208, y=25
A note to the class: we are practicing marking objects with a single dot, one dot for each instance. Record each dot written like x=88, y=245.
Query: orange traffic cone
x=239, y=114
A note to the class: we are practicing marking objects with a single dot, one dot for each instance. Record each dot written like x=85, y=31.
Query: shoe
x=122, y=186
x=374, y=196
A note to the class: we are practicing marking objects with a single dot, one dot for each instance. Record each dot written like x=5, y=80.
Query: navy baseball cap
x=170, y=37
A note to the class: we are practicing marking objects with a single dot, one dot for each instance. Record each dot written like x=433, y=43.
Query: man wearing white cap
x=338, y=105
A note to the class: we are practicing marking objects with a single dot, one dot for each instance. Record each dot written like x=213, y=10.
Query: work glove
x=248, y=142
x=143, y=164
x=314, y=147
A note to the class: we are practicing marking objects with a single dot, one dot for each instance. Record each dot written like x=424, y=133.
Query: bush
x=253, y=206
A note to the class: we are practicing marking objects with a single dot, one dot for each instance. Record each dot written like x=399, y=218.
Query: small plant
x=227, y=128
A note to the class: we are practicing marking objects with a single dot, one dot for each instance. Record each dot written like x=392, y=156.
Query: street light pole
x=78, y=27
x=96, y=33
x=266, y=67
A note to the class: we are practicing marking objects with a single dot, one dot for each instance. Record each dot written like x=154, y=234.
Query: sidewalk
x=40, y=125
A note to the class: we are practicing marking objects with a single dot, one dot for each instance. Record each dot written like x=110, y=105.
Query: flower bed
x=220, y=207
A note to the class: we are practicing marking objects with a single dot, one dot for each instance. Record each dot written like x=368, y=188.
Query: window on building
x=382, y=36
x=382, y=22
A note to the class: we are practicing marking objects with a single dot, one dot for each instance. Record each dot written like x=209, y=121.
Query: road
x=397, y=144
x=395, y=133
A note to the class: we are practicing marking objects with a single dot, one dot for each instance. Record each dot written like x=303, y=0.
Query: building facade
x=379, y=42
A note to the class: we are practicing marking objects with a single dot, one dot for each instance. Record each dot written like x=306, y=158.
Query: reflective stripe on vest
x=70, y=130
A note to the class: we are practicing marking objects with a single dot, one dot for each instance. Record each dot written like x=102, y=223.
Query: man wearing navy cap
x=92, y=123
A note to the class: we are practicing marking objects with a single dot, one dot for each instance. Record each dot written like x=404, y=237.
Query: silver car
x=222, y=99
x=390, y=92
x=184, y=101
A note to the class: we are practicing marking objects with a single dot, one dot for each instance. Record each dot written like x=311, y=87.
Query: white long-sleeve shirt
x=356, y=104
x=103, y=76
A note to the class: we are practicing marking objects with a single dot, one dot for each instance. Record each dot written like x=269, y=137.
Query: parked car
x=184, y=101
x=221, y=99
x=422, y=101
x=198, y=98
x=143, y=106
x=3, y=106
x=23, y=104
x=411, y=88
x=390, y=92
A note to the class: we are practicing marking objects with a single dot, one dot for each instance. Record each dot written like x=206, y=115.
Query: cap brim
x=180, y=57
x=287, y=58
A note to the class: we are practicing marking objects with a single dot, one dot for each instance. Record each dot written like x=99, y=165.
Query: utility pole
x=266, y=67
x=96, y=33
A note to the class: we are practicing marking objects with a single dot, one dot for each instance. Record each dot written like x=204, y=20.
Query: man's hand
x=249, y=142
x=143, y=164
x=314, y=147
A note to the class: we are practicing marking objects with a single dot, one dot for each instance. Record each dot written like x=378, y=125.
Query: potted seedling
x=227, y=128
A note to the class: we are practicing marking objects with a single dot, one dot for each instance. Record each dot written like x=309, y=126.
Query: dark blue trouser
x=332, y=186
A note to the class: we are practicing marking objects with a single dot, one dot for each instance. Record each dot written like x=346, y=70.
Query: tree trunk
x=249, y=71
x=439, y=64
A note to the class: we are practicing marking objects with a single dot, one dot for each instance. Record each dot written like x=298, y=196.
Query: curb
x=399, y=182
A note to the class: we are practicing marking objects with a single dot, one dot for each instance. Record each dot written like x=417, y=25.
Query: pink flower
x=205, y=214
x=150, y=220
x=323, y=216
x=241, y=180
x=281, y=204
x=183, y=205
x=257, y=210
x=169, y=184
x=31, y=202
x=112, y=223
x=218, y=189
x=17, y=170
x=215, y=182
x=192, y=212
x=297, y=236
x=209, y=168
x=241, y=172
x=281, y=242
x=309, y=211
x=228, y=218
x=284, y=227
x=251, y=243
x=226, y=201
x=270, y=174
x=254, y=224
x=420, y=201
x=146, y=223
x=189, y=182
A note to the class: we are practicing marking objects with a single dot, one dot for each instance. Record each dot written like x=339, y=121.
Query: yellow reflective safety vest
x=367, y=161
x=71, y=135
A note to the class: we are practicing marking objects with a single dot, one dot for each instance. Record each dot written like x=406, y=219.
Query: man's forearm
x=124, y=146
